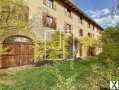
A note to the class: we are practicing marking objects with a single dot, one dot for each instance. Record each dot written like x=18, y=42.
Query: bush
x=109, y=57
x=110, y=40
x=60, y=46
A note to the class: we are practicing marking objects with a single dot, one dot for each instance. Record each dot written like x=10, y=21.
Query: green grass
x=44, y=77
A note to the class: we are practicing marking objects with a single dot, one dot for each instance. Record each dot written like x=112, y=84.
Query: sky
x=100, y=11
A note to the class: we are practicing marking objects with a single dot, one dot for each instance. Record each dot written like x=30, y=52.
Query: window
x=68, y=12
x=89, y=25
x=93, y=27
x=81, y=32
x=81, y=20
x=89, y=35
x=49, y=21
x=67, y=27
x=91, y=51
x=49, y=3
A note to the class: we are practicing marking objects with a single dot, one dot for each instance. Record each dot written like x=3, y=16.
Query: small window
x=93, y=27
x=49, y=21
x=89, y=34
x=67, y=27
x=68, y=12
x=81, y=32
x=89, y=25
x=81, y=20
x=49, y=3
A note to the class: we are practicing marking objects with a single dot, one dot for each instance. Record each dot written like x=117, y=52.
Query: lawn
x=47, y=77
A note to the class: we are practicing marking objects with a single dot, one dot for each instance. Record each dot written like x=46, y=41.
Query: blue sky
x=99, y=10
x=94, y=4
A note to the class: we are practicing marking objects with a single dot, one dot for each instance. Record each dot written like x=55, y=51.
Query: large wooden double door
x=18, y=54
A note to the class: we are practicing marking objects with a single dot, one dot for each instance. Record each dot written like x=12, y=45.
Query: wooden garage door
x=19, y=53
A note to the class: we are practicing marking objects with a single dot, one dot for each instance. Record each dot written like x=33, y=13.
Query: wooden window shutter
x=44, y=19
x=54, y=23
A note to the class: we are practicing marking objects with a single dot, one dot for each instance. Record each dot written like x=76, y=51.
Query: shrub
x=61, y=46
x=110, y=40
x=38, y=51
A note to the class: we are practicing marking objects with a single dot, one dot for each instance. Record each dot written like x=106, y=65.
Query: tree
x=109, y=58
x=110, y=40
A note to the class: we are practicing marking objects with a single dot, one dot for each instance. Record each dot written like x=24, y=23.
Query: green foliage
x=88, y=41
x=38, y=51
x=111, y=51
x=110, y=56
x=110, y=35
x=110, y=40
x=70, y=75
x=68, y=46
x=56, y=77
x=63, y=83
x=13, y=17
x=60, y=46
x=55, y=50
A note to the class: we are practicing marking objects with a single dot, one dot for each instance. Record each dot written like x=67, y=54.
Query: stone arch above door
x=18, y=39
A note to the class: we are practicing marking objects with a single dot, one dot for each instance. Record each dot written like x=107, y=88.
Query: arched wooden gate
x=19, y=52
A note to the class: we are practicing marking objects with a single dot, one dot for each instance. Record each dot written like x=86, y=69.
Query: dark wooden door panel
x=18, y=55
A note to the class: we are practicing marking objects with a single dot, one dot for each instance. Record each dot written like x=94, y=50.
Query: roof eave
x=76, y=8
